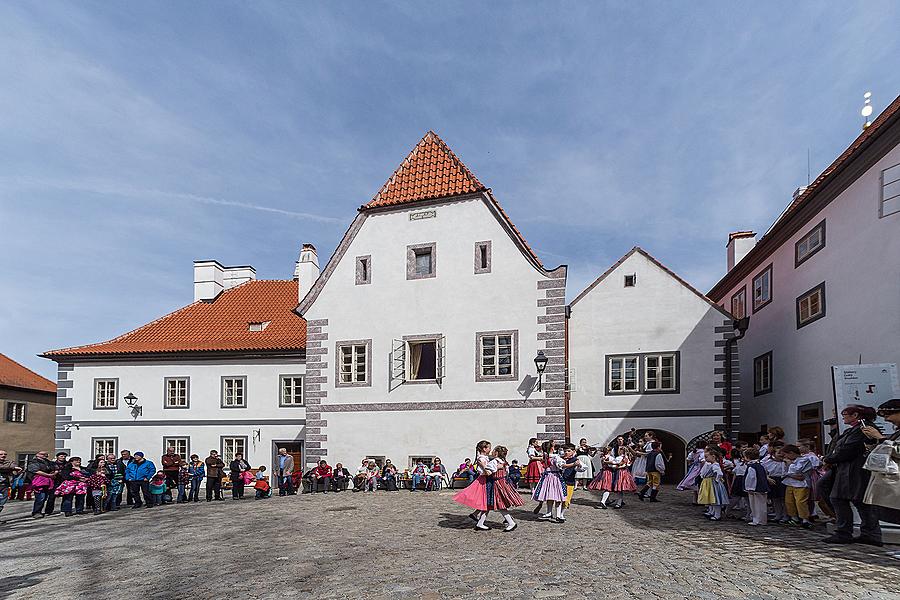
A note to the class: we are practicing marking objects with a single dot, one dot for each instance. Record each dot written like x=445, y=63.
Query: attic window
x=630, y=280
x=258, y=325
x=482, y=257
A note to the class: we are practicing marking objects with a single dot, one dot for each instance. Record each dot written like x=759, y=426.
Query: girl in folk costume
x=500, y=493
x=547, y=449
x=584, y=454
x=550, y=488
x=617, y=478
x=697, y=459
x=594, y=485
x=736, y=492
x=642, y=448
x=475, y=495
x=712, y=486
x=535, y=463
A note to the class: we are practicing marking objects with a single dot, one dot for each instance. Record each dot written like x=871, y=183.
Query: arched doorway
x=674, y=449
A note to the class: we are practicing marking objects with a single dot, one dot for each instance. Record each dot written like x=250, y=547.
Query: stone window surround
x=438, y=357
x=187, y=391
x=222, y=447
x=281, y=402
x=243, y=388
x=360, y=280
x=641, y=373
x=337, y=363
x=165, y=444
x=514, y=376
x=478, y=246
x=411, y=260
x=6, y=406
x=115, y=405
x=115, y=440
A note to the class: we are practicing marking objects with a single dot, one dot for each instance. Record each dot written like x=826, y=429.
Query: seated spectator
x=389, y=476
x=372, y=472
x=418, y=475
x=340, y=477
x=309, y=480
x=359, y=480
x=515, y=474
x=442, y=478
x=466, y=471
x=322, y=475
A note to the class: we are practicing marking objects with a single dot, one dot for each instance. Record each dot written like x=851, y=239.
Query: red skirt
x=625, y=482
x=505, y=497
x=533, y=473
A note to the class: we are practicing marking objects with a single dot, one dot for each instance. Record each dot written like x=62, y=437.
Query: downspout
x=566, y=367
x=740, y=327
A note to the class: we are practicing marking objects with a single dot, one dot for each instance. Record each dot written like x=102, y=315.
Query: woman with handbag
x=883, y=490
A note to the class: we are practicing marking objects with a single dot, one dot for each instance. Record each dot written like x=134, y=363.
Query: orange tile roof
x=430, y=171
x=218, y=326
x=12, y=374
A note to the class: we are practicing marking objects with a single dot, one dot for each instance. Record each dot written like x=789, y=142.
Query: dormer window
x=258, y=325
x=421, y=261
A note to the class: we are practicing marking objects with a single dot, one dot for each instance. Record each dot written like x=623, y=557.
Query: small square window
x=15, y=412
x=421, y=261
x=811, y=306
x=352, y=365
x=630, y=280
x=258, y=325
x=498, y=356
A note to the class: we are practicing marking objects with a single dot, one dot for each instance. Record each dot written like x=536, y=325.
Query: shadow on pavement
x=16, y=583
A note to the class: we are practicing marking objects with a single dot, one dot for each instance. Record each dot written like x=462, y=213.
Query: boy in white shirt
x=796, y=482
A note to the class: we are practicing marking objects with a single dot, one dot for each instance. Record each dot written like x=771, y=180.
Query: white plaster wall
x=860, y=266
x=456, y=303
x=449, y=434
x=659, y=314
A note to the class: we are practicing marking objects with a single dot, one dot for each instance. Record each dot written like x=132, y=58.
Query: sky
x=136, y=138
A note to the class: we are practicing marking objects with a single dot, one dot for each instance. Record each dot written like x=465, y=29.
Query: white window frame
x=168, y=389
x=807, y=300
x=804, y=250
x=658, y=374
x=483, y=365
x=108, y=442
x=623, y=380
x=231, y=445
x=175, y=441
x=291, y=394
x=890, y=178
x=764, y=277
x=103, y=398
x=762, y=374
x=357, y=372
x=229, y=381
x=16, y=412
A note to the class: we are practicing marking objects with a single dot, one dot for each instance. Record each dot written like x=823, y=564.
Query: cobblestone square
x=422, y=545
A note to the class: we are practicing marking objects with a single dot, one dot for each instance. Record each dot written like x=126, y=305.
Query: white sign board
x=867, y=385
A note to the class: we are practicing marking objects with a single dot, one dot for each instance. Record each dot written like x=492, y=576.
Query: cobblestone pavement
x=422, y=545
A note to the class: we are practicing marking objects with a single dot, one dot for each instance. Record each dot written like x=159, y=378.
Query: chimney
x=306, y=270
x=208, y=279
x=211, y=278
x=739, y=244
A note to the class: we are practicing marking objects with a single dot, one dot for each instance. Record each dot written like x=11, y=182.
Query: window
x=426, y=459
x=762, y=288
x=23, y=458
x=811, y=306
x=482, y=257
x=890, y=191
x=622, y=374
x=176, y=392
x=363, y=270
x=104, y=446
x=497, y=356
x=15, y=412
x=762, y=374
x=659, y=373
x=106, y=393
x=353, y=367
x=234, y=392
x=182, y=446
x=423, y=359
x=232, y=445
x=739, y=303
x=809, y=244
x=258, y=325
x=421, y=261
x=630, y=280
x=291, y=390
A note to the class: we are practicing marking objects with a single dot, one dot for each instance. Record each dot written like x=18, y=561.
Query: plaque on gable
x=425, y=214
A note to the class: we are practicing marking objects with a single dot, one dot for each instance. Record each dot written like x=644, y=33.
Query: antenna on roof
x=807, y=167
x=866, y=111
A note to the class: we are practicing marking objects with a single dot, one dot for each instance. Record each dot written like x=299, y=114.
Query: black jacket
x=237, y=467
x=847, y=456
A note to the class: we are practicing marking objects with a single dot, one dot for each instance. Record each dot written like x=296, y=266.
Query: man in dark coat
x=846, y=458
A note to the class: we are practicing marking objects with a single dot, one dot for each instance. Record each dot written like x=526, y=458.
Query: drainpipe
x=740, y=328
x=566, y=378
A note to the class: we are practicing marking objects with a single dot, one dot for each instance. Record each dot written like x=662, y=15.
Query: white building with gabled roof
x=647, y=351
x=424, y=325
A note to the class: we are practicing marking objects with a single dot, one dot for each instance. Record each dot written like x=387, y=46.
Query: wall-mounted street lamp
x=540, y=363
x=69, y=426
x=132, y=402
x=740, y=328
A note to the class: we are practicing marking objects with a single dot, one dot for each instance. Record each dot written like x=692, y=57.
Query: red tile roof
x=221, y=325
x=430, y=171
x=12, y=374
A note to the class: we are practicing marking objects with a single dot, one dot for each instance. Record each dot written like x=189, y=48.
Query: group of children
x=743, y=481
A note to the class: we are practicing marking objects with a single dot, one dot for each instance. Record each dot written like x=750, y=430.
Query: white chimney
x=306, y=270
x=739, y=244
x=208, y=279
x=211, y=278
